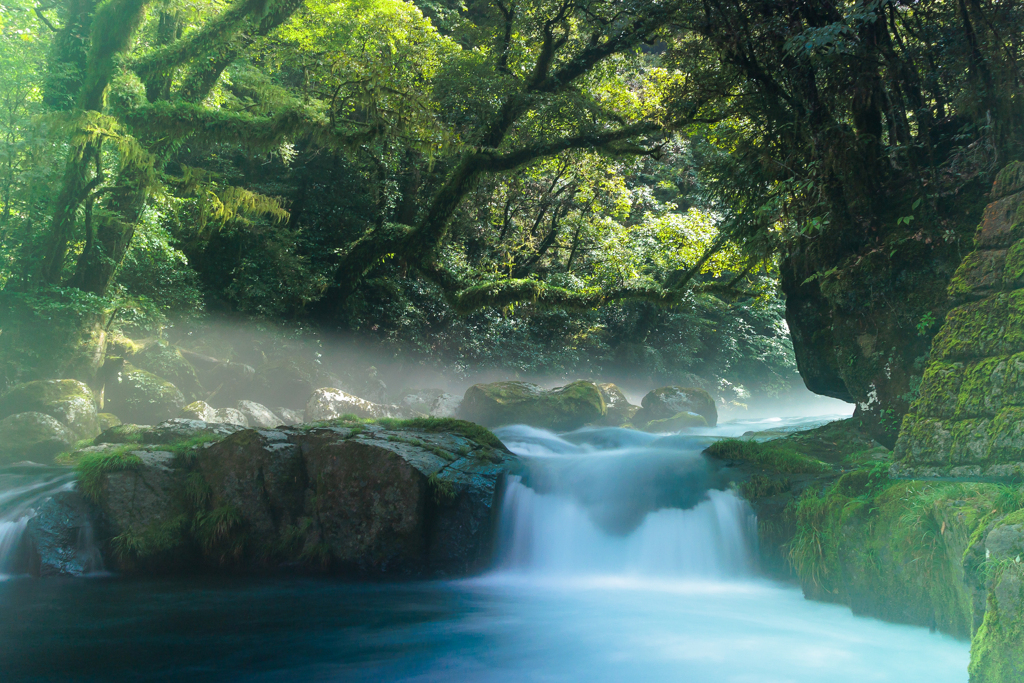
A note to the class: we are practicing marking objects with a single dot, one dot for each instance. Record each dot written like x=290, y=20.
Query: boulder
x=141, y=397
x=227, y=380
x=563, y=408
x=198, y=410
x=166, y=361
x=231, y=416
x=445, y=405
x=618, y=409
x=403, y=500
x=107, y=420
x=66, y=400
x=289, y=417
x=668, y=402
x=62, y=537
x=421, y=401
x=676, y=423
x=259, y=416
x=1005, y=542
x=32, y=436
x=330, y=404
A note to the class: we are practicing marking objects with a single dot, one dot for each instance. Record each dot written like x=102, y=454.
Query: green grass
x=93, y=467
x=768, y=456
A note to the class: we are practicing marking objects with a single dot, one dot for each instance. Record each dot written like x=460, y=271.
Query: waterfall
x=689, y=532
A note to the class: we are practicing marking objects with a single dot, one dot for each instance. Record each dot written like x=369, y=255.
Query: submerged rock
x=66, y=400
x=141, y=397
x=32, y=436
x=415, y=498
x=668, y=402
x=503, y=403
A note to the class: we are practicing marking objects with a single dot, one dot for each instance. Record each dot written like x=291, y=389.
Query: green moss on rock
x=66, y=400
x=141, y=397
x=564, y=408
x=769, y=456
x=940, y=390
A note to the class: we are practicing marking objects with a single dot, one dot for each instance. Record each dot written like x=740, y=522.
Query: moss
x=221, y=533
x=436, y=425
x=981, y=388
x=996, y=653
x=568, y=407
x=1009, y=180
x=122, y=433
x=769, y=456
x=759, y=486
x=93, y=467
x=974, y=330
x=940, y=390
x=436, y=450
x=681, y=421
x=1013, y=270
x=139, y=545
x=1006, y=436
x=443, y=489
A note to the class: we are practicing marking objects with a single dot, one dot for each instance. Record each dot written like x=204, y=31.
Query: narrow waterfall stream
x=618, y=561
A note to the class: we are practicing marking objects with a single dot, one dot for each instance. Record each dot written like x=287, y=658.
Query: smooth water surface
x=618, y=560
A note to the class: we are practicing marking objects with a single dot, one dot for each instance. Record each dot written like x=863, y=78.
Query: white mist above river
x=616, y=564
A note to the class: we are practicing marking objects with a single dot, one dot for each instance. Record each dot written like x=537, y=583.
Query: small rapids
x=23, y=488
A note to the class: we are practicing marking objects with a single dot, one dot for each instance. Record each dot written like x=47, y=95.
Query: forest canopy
x=616, y=180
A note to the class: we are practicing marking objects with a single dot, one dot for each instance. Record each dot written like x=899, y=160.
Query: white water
x=22, y=490
x=672, y=594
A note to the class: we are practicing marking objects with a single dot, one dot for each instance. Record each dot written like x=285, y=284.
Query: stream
x=617, y=563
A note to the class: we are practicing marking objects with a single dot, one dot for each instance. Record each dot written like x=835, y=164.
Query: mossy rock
x=32, y=436
x=165, y=361
x=940, y=390
x=199, y=410
x=677, y=423
x=618, y=409
x=668, y=402
x=769, y=456
x=66, y=400
x=141, y=397
x=563, y=409
x=107, y=420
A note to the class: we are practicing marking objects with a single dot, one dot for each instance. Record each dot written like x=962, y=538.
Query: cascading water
x=23, y=488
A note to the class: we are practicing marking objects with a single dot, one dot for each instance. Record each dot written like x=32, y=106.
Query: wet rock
x=618, y=409
x=62, y=537
x=668, y=402
x=32, y=436
x=563, y=408
x=258, y=416
x=66, y=400
x=141, y=397
x=165, y=361
x=330, y=404
x=445, y=405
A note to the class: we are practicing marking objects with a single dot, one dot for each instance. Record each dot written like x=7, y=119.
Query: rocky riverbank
x=941, y=554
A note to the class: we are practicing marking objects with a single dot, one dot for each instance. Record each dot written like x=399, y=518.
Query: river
x=616, y=564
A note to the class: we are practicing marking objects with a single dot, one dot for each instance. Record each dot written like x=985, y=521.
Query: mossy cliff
x=969, y=419
x=939, y=554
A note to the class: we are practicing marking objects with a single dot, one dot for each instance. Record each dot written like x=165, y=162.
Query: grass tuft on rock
x=93, y=467
x=768, y=456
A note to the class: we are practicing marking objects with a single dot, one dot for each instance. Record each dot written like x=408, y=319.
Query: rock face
x=66, y=400
x=330, y=404
x=32, y=436
x=408, y=500
x=618, y=409
x=62, y=537
x=668, y=402
x=563, y=408
x=967, y=421
x=259, y=416
x=141, y=397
